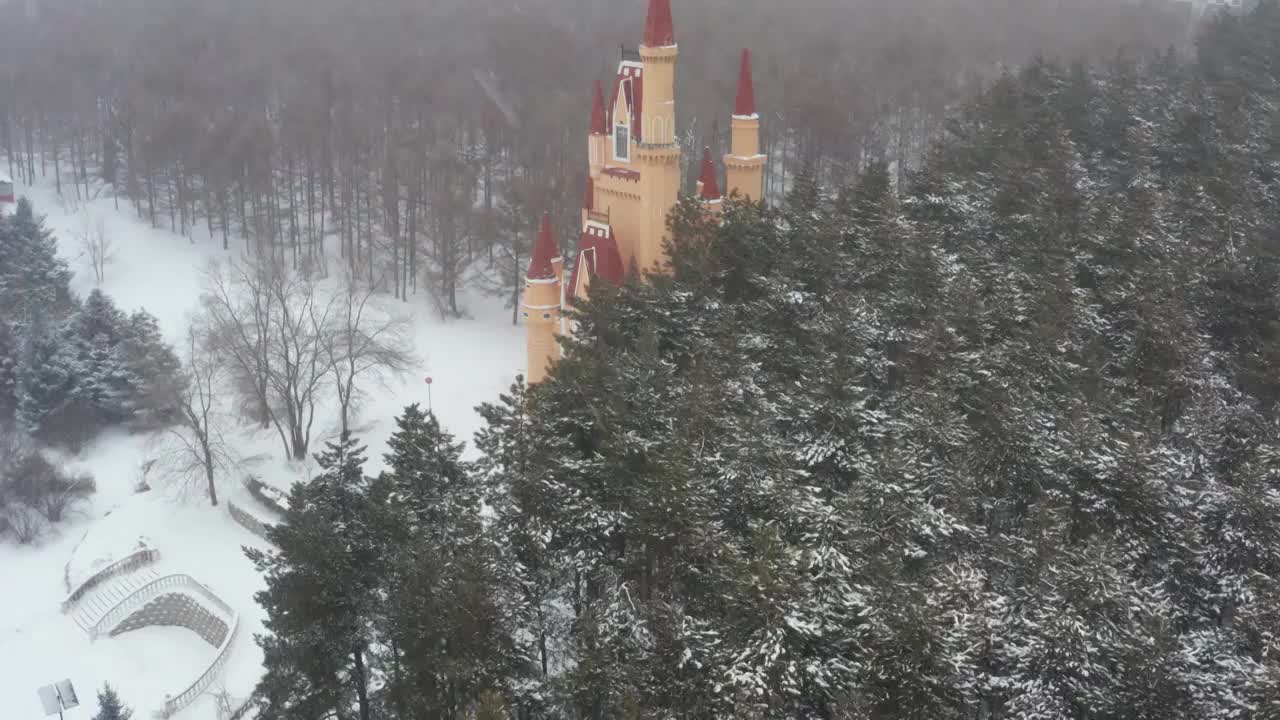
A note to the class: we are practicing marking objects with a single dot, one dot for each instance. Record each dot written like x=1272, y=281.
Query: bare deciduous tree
x=25, y=523
x=297, y=359
x=366, y=341
x=272, y=324
x=238, y=311
x=96, y=245
x=196, y=450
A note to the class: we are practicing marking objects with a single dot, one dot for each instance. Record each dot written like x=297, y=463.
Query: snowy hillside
x=470, y=361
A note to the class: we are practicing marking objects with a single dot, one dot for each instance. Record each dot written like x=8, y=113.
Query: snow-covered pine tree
x=444, y=634
x=10, y=356
x=48, y=380
x=32, y=276
x=321, y=593
x=529, y=579
x=110, y=707
x=145, y=354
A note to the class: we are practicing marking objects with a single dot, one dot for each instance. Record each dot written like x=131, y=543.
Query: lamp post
x=429, y=395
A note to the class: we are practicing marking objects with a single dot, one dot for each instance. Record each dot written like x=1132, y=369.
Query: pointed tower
x=543, y=297
x=709, y=184
x=657, y=155
x=598, y=140
x=744, y=164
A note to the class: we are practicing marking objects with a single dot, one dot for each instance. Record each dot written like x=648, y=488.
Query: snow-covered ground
x=470, y=361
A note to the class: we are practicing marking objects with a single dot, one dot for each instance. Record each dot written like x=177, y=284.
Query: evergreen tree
x=528, y=581
x=152, y=373
x=10, y=357
x=1001, y=444
x=441, y=623
x=32, y=276
x=110, y=707
x=321, y=593
x=48, y=378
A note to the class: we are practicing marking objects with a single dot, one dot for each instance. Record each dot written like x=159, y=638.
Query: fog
x=396, y=117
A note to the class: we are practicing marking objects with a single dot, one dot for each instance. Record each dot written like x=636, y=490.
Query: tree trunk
x=362, y=690
x=208, y=471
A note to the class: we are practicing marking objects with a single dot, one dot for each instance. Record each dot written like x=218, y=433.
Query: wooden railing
x=241, y=711
x=248, y=520
x=163, y=586
x=271, y=498
x=202, y=683
x=151, y=591
x=129, y=563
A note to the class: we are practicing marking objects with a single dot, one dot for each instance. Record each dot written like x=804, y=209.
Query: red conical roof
x=746, y=104
x=659, y=30
x=589, y=194
x=598, y=125
x=544, y=251
x=710, y=186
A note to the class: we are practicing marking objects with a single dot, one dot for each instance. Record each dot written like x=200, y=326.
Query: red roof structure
x=545, y=251
x=746, y=102
x=598, y=256
x=598, y=124
x=659, y=30
x=710, y=185
x=630, y=78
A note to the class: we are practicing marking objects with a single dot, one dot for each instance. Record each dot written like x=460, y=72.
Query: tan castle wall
x=542, y=316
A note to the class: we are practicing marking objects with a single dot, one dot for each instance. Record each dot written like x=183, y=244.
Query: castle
x=633, y=182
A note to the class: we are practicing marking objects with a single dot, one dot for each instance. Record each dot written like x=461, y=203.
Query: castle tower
x=657, y=154
x=744, y=164
x=543, y=302
x=709, y=184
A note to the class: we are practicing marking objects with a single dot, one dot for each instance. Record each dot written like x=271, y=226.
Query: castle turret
x=598, y=140
x=709, y=184
x=658, y=54
x=543, y=298
x=657, y=154
x=744, y=164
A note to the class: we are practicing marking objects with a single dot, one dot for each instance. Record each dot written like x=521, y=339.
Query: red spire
x=710, y=186
x=544, y=251
x=746, y=104
x=598, y=126
x=589, y=195
x=659, y=30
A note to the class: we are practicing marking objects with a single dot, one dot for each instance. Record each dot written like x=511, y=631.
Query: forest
x=424, y=139
x=975, y=418
x=1001, y=443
